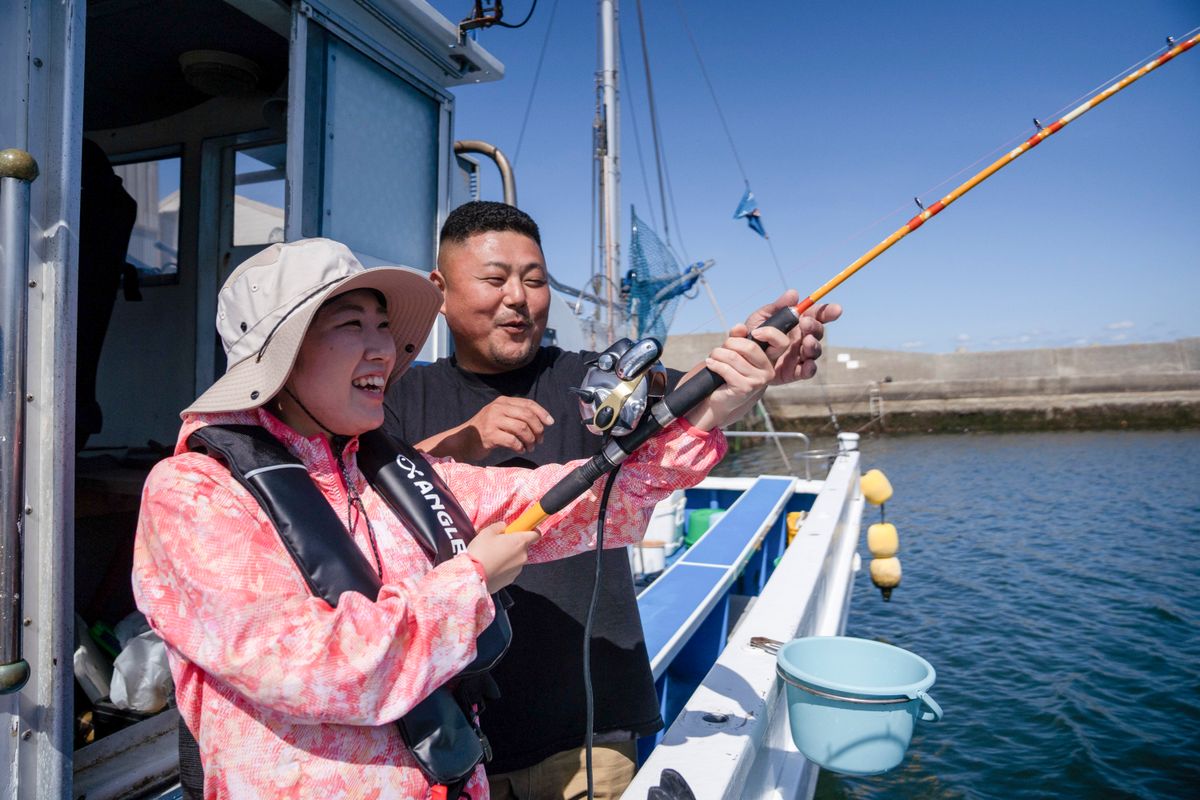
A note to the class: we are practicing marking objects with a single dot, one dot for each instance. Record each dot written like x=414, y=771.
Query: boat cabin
x=172, y=140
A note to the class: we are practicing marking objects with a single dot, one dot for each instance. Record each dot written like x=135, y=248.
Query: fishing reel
x=621, y=384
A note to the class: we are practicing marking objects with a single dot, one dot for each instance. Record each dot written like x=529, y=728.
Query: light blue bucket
x=852, y=703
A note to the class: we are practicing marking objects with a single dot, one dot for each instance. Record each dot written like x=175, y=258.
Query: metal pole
x=610, y=163
x=502, y=163
x=17, y=171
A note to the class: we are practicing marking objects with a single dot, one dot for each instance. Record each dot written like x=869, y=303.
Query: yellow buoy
x=794, y=520
x=882, y=540
x=876, y=487
x=885, y=573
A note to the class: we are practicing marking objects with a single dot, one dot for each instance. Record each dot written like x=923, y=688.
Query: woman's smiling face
x=342, y=368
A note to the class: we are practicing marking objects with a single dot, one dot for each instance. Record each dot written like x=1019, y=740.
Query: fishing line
x=1023, y=135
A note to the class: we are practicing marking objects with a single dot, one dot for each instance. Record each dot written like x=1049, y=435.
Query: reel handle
x=637, y=359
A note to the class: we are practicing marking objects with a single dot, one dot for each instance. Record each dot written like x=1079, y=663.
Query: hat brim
x=413, y=303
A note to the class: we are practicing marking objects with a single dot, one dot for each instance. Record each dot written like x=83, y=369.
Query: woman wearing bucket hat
x=288, y=695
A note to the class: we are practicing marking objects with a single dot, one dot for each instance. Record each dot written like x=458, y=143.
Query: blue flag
x=748, y=210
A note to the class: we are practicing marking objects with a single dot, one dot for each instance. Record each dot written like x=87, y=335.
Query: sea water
x=1053, y=580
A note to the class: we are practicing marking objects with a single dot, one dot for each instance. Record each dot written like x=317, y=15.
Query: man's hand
x=798, y=361
x=515, y=423
x=746, y=370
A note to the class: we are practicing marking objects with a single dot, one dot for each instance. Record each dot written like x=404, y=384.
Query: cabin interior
x=186, y=119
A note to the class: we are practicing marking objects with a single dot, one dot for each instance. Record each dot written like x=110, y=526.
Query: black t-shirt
x=541, y=711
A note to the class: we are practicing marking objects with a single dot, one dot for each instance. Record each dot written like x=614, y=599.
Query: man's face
x=497, y=299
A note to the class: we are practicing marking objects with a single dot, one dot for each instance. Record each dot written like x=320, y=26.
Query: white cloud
x=963, y=337
x=909, y=345
x=1119, y=326
x=1119, y=337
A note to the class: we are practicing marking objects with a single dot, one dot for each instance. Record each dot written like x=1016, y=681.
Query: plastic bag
x=141, y=677
x=133, y=625
x=93, y=669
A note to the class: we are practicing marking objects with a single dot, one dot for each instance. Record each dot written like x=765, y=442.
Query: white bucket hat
x=265, y=307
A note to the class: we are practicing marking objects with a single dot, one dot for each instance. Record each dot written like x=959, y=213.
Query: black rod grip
x=690, y=394
x=784, y=319
x=574, y=484
x=693, y=392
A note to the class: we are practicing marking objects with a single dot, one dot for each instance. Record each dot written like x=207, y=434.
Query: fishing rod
x=690, y=394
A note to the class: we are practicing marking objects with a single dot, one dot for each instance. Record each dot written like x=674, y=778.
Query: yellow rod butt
x=528, y=519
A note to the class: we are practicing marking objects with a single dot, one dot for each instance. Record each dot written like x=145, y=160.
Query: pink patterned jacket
x=290, y=698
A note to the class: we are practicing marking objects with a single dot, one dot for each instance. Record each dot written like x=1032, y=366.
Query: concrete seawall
x=1135, y=386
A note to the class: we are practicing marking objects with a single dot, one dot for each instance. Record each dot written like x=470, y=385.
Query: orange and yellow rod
x=984, y=174
x=692, y=392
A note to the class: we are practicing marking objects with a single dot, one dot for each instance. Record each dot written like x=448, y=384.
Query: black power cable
x=520, y=24
x=587, y=630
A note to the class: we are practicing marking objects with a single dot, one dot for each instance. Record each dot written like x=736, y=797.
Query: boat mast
x=608, y=154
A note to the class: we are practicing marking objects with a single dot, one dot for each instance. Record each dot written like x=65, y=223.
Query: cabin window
x=259, y=190
x=154, y=245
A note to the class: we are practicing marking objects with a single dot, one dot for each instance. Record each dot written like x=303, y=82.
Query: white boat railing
x=778, y=437
x=732, y=738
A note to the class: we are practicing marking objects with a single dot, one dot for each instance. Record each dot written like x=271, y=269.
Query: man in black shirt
x=502, y=399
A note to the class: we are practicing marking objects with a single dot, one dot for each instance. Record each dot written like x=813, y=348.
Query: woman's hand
x=746, y=369
x=501, y=554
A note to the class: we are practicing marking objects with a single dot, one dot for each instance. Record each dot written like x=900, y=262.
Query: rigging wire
x=654, y=128
x=711, y=91
x=725, y=125
x=594, y=246
x=666, y=191
x=537, y=74
x=637, y=141
x=520, y=24
x=675, y=214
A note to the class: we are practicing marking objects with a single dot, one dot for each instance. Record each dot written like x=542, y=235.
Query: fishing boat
x=200, y=131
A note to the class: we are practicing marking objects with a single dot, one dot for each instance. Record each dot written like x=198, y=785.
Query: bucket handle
x=934, y=714
x=841, y=698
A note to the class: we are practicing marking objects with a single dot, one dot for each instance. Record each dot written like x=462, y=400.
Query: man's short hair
x=487, y=216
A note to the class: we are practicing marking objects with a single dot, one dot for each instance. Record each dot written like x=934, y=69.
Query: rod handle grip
x=529, y=518
x=705, y=382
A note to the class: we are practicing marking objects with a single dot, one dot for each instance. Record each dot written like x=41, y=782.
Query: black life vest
x=441, y=731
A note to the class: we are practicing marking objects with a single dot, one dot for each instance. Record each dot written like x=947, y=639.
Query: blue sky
x=841, y=113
